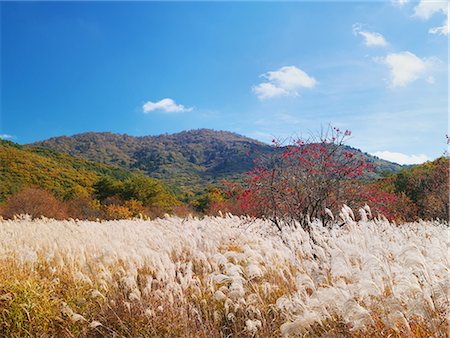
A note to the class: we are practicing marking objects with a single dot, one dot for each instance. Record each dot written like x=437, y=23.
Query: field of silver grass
x=224, y=276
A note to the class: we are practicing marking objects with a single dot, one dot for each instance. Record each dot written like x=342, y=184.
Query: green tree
x=106, y=187
x=149, y=191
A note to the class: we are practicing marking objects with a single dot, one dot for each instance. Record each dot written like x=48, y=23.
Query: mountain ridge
x=189, y=158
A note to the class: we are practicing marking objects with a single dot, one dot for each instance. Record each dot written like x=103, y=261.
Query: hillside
x=426, y=185
x=60, y=173
x=190, y=158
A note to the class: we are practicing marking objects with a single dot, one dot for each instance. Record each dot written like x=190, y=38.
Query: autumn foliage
x=304, y=180
x=427, y=186
x=394, y=206
x=112, y=199
x=36, y=203
x=301, y=180
x=313, y=179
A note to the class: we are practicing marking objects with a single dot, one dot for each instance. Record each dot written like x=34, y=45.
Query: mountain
x=63, y=174
x=190, y=158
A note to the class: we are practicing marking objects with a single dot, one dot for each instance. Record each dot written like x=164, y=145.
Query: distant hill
x=60, y=173
x=190, y=158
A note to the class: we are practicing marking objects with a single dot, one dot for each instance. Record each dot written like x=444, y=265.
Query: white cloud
x=405, y=67
x=371, y=39
x=401, y=158
x=291, y=78
x=268, y=90
x=285, y=81
x=427, y=8
x=6, y=136
x=442, y=30
x=167, y=105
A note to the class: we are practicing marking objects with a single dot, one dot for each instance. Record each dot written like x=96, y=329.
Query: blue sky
x=259, y=69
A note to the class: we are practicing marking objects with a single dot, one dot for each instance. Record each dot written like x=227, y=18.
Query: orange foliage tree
x=35, y=202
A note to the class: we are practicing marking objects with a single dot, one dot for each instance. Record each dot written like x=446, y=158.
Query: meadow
x=222, y=277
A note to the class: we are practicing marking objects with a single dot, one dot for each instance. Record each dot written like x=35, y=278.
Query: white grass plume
x=399, y=273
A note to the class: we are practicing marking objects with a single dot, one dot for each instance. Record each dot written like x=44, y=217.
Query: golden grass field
x=222, y=277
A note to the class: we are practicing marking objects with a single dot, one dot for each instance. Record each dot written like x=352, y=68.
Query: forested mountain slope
x=190, y=158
